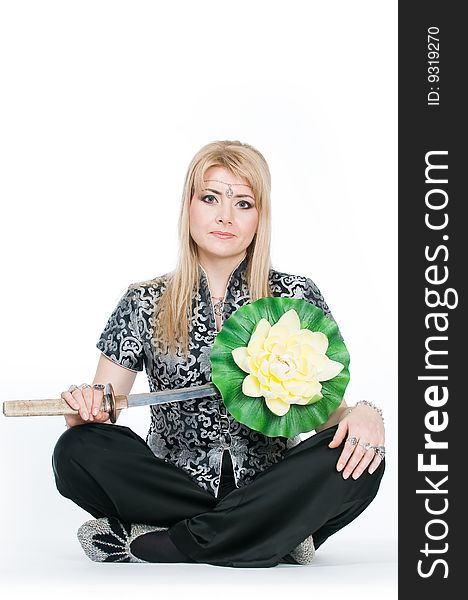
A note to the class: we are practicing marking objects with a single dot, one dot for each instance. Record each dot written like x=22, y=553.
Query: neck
x=219, y=271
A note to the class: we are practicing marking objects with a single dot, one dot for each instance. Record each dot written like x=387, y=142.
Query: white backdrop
x=103, y=105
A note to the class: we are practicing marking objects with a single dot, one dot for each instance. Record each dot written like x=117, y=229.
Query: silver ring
x=72, y=388
x=84, y=386
x=353, y=441
x=380, y=450
x=369, y=446
x=98, y=386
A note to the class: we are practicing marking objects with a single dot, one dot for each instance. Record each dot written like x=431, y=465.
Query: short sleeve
x=120, y=340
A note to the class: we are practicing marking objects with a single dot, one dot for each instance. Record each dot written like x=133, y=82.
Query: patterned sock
x=157, y=546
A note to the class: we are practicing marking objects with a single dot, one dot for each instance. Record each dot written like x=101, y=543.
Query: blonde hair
x=173, y=313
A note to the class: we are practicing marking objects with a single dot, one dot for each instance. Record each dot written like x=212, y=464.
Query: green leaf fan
x=280, y=366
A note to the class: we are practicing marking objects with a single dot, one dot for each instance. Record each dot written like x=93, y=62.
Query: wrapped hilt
x=48, y=408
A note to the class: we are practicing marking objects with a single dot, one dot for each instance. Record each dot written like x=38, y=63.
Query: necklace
x=218, y=306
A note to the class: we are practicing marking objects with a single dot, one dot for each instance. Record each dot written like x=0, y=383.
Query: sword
x=111, y=403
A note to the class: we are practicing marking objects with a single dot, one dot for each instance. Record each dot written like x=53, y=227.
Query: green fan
x=280, y=366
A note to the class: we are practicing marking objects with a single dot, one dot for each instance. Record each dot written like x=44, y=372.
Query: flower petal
x=316, y=339
x=263, y=379
x=329, y=369
x=290, y=319
x=258, y=337
x=315, y=398
x=241, y=358
x=277, y=406
x=314, y=387
x=278, y=336
x=280, y=369
x=251, y=386
x=266, y=392
x=306, y=389
x=277, y=388
x=259, y=356
x=265, y=367
x=287, y=326
x=261, y=330
x=278, y=348
x=315, y=362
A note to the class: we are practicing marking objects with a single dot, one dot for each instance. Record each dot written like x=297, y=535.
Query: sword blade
x=195, y=391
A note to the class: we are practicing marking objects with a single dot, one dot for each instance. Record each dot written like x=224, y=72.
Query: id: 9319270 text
x=433, y=68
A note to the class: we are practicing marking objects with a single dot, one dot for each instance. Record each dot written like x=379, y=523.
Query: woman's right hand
x=87, y=400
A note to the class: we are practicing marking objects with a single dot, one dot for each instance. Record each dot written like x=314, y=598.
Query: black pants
x=108, y=470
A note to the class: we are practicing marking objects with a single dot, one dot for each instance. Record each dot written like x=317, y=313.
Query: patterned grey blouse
x=194, y=434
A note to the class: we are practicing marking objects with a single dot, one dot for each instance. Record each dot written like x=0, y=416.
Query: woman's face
x=226, y=208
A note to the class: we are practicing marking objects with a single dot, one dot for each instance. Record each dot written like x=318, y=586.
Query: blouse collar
x=240, y=268
x=236, y=289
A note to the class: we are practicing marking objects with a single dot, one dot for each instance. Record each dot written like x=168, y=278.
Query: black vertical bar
x=433, y=353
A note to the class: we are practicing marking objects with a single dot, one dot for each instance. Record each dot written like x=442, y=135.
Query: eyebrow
x=236, y=196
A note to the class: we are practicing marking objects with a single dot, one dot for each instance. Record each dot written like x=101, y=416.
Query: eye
x=209, y=196
x=249, y=205
x=245, y=202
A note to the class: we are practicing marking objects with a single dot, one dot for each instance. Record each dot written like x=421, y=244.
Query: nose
x=224, y=213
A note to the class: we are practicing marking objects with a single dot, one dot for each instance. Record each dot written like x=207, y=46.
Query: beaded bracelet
x=367, y=403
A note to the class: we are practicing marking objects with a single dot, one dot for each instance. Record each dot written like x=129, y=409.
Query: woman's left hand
x=363, y=425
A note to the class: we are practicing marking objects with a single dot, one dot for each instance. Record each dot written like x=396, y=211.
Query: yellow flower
x=285, y=363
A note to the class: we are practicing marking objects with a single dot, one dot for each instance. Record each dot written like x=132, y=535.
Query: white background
x=103, y=105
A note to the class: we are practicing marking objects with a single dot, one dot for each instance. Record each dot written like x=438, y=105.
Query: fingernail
x=85, y=416
x=371, y=471
x=95, y=411
x=339, y=466
x=345, y=475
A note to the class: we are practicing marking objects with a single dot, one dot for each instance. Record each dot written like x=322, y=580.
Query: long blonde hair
x=173, y=313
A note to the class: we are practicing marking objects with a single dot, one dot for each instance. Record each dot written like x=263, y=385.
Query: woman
x=204, y=487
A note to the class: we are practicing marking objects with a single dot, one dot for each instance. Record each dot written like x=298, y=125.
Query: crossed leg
x=110, y=471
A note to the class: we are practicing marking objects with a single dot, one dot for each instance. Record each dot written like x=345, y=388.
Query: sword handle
x=49, y=408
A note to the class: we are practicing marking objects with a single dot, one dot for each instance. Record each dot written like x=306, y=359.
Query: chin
x=227, y=253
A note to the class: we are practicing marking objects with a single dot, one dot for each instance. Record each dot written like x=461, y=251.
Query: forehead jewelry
x=229, y=191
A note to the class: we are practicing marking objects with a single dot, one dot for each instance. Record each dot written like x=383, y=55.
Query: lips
x=221, y=235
